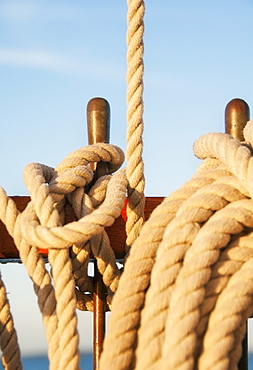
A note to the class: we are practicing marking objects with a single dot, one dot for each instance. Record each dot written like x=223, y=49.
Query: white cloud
x=25, y=10
x=43, y=60
x=35, y=59
x=18, y=10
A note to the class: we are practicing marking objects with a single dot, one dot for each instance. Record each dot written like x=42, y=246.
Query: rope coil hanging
x=186, y=290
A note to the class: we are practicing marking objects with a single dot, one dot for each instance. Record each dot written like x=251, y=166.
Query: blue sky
x=56, y=55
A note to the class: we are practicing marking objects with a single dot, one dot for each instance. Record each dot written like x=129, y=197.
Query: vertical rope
x=8, y=341
x=135, y=166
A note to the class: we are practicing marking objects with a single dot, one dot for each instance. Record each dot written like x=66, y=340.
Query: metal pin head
x=98, y=121
x=237, y=114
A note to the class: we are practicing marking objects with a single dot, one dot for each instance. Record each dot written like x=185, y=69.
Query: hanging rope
x=9, y=343
x=186, y=291
x=135, y=166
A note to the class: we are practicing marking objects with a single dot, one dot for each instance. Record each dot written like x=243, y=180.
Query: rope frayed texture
x=70, y=246
x=186, y=290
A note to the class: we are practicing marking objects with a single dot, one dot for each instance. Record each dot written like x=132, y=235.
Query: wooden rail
x=236, y=116
x=116, y=232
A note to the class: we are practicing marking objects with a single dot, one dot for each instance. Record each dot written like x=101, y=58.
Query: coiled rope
x=186, y=290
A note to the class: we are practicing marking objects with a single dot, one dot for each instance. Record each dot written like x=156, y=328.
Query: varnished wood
x=116, y=232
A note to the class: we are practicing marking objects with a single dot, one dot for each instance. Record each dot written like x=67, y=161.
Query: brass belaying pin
x=98, y=121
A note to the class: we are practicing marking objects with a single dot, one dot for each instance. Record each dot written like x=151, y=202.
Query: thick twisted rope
x=40, y=225
x=35, y=266
x=183, y=271
x=8, y=342
x=135, y=166
x=36, y=177
x=59, y=294
x=186, y=290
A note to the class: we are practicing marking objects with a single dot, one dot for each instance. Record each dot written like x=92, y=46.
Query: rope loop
x=70, y=246
x=186, y=290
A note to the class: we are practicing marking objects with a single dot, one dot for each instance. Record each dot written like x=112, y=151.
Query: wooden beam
x=116, y=232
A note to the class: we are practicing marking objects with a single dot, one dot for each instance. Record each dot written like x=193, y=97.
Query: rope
x=8, y=336
x=186, y=291
x=135, y=166
x=41, y=224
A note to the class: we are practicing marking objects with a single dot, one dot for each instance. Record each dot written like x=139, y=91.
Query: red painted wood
x=116, y=232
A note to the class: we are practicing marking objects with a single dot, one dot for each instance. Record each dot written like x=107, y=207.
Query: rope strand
x=135, y=166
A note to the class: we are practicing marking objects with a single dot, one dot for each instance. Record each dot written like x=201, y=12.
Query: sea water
x=41, y=362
